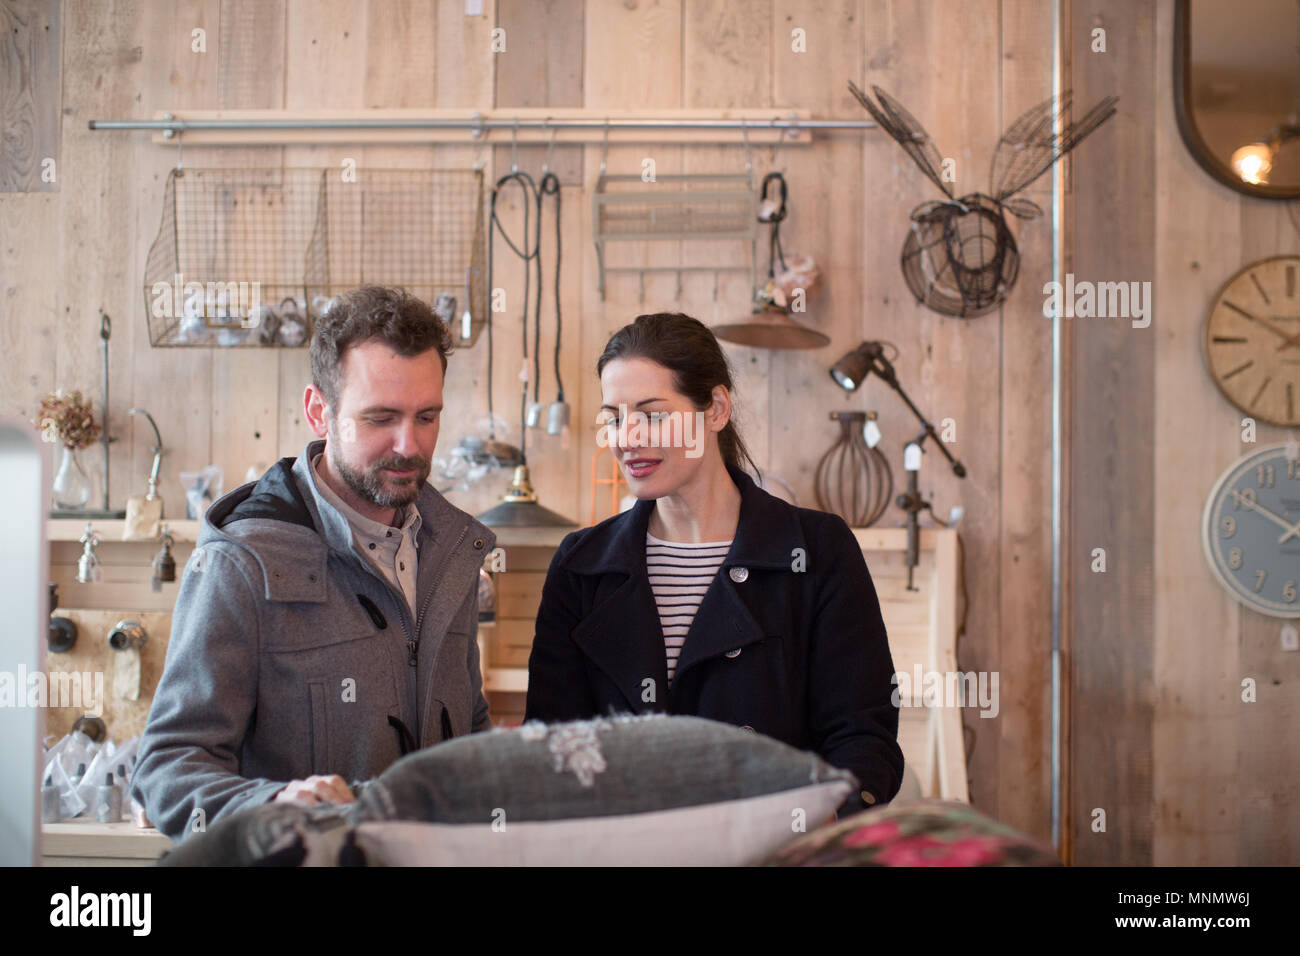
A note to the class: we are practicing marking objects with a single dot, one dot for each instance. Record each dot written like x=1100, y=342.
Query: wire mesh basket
x=251, y=257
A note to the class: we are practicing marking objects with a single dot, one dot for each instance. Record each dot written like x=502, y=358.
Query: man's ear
x=314, y=406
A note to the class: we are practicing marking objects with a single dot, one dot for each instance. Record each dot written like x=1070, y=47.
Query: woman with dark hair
x=711, y=597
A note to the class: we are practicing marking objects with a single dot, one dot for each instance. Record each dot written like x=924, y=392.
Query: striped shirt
x=679, y=575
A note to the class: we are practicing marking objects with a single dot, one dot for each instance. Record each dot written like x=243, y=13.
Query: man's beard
x=368, y=484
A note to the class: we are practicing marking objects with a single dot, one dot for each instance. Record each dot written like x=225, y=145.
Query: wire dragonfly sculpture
x=960, y=257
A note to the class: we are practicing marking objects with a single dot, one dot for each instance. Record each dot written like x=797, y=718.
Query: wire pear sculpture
x=960, y=256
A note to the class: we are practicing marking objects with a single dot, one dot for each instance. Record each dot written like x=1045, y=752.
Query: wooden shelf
x=87, y=843
x=509, y=679
x=110, y=529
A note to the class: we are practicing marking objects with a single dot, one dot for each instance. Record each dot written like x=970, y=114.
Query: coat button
x=868, y=798
x=739, y=574
x=478, y=544
x=734, y=652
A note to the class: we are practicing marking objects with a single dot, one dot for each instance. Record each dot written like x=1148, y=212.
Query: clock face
x=1251, y=530
x=1252, y=340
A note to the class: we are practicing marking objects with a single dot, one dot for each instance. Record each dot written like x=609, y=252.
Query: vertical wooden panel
x=96, y=211
x=245, y=382
x=1025, y=548
x=541, y=66
x=945, y=70
x=632, y=60
x=29, y=99
x=1267, y=769
x=1113, y=467
x=1197, y=709
x=174, y=384
x=466, y=76
x=325, y=64
x=727, y=61
x=824, y=182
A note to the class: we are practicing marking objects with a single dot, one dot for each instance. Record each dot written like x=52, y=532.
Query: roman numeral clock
x=1250, y=528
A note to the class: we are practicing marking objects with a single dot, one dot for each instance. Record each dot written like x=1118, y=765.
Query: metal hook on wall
x=514, y=147
x=604, y=147
x=550, y=148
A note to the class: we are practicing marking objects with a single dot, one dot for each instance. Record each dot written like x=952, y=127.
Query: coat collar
x=767, y=533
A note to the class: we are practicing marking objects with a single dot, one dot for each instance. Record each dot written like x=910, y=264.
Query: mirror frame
x=1192, y=138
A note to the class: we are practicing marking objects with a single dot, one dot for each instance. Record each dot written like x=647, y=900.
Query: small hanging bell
x=164, y=565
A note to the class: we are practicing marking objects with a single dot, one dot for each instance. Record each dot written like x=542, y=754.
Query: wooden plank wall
x=1174, y=655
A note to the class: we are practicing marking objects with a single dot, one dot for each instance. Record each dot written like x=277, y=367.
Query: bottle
x=108, y=801
x=50, y=812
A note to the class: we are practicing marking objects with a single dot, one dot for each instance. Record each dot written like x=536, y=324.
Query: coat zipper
x=413, y=647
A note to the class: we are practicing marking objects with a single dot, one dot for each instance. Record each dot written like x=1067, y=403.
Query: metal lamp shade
x=519, y=508
x=771, y=327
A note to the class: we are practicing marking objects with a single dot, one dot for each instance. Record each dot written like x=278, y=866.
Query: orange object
x=614, y=480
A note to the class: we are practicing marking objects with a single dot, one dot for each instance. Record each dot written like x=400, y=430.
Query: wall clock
x=1251, y=530
x=1252, y=340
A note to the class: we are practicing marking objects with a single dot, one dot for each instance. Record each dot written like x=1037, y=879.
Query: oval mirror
x=1237, y=91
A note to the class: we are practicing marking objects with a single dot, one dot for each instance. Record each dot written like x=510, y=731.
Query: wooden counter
x=87, y=843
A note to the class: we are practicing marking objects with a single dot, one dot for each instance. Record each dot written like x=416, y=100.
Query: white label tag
x=912, y=457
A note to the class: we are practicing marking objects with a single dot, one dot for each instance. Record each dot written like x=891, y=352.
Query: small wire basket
x=251, y=257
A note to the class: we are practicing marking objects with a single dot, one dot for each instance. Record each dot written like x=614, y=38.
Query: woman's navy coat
x=788, y=640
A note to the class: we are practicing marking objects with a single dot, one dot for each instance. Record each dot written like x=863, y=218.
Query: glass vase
x=71, y=488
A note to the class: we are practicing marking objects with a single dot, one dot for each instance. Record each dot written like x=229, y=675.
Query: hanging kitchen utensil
x=960, y=257
x=770, y=325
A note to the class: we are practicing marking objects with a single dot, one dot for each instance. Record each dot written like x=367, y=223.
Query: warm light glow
x=1253, y=162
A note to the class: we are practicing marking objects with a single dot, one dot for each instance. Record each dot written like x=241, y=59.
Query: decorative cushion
x=928, y=833
x=631, y=790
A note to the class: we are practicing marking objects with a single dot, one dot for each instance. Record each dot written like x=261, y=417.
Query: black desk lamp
x=851, y=371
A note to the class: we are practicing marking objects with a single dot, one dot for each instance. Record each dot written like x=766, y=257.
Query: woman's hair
x=686, y=347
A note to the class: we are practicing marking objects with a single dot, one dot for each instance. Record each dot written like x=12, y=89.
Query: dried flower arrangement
x=68, y=419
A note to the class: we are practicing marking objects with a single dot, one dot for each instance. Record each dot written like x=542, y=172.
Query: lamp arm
x=885, y=370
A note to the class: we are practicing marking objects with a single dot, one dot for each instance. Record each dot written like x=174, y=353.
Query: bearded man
x=326, y=622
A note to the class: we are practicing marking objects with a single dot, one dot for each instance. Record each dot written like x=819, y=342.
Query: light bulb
x=1252, y=163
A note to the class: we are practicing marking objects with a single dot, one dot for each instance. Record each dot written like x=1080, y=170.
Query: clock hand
x=1280, y=522
x=1292, y=532
x=1277, y=330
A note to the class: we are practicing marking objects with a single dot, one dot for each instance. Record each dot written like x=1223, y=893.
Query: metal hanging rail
x=525, y=126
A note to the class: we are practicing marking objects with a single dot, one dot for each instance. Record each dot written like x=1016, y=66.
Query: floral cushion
x=929, y=833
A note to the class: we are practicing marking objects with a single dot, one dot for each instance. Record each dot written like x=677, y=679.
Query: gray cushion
x=607, y=767
x=590, y=768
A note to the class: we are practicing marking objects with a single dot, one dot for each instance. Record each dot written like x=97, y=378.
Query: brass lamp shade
x=771, y=327
x=519, y=508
